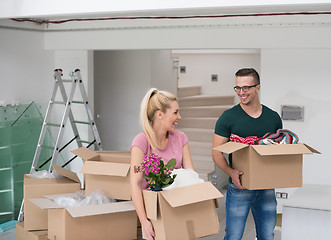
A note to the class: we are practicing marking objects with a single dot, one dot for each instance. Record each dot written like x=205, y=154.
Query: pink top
x=176, y=141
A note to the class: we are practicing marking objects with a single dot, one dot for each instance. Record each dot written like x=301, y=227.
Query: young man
x=249, y=118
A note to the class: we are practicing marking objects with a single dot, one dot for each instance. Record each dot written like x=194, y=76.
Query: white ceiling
x=55, y=15
x=61, y=9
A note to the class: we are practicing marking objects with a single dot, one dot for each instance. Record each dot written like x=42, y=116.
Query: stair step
x=203, y=176
x=188, y=91
x=200, y=148
x=191, y=122
x=203, y=163
x=205, y=100
x=198, y=134
x=203, y=111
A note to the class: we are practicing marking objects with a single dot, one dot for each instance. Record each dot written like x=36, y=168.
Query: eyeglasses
x=244, y=88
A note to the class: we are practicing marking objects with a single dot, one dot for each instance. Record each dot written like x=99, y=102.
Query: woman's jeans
x=264, y=209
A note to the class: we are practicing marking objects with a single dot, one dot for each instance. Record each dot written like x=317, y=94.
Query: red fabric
x=248, y=140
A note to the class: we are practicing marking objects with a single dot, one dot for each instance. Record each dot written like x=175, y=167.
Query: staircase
x=199, y=115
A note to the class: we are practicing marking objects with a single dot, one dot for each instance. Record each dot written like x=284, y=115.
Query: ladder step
x=82, y=122
x=83, y=141
x=79, y=102
x=49, y=147
x=58, y=102
x=64, y=80
x=53, y=124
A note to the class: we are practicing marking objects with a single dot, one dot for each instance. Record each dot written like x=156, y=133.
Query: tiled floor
x=8, y=235
x=249, y=233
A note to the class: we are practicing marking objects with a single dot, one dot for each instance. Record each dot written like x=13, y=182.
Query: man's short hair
x=249, y=72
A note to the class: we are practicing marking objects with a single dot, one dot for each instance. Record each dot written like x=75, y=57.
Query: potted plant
x=156, y=173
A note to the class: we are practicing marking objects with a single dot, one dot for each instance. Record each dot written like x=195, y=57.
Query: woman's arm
x=187, y=160
x=136, y=192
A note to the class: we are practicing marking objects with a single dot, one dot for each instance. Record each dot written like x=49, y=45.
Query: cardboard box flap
x=66, y=173
x=44, y=203
x=84, y=153
x=191, y=194
x=312, y=149
x=106, y=168
x=124, y=153
x=150, y=201
x=282, y=149
x=230, y=147
x=100, y=209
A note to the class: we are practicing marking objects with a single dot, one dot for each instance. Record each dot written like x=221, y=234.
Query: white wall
x=302, y=77
x=121, y=80
x=26, y=67
x=230, y=33
x=292, y=48
x=163, y=71
x=201, y=65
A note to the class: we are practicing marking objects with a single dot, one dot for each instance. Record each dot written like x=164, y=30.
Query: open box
x=268, y=166
x=183, y=213
x=34, y=217
x=102, y=222
x=107, y=171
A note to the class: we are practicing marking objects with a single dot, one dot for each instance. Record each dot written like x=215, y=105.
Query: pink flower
x=155, y=171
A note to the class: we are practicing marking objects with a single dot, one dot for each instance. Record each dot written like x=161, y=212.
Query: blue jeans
x=264, y=209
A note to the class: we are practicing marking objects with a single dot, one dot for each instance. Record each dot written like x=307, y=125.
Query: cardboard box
x=22, y=234
x=107, y=171
x=183, y=213
x=101, y=222
x=34, y=217
x=268, y=166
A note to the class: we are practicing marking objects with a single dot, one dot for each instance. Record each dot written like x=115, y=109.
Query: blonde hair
x=153, y=101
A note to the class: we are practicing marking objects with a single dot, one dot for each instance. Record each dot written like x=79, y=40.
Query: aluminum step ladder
x=48, y=125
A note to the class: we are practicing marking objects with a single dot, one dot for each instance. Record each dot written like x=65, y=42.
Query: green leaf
x=166, y=181
x=171, y=163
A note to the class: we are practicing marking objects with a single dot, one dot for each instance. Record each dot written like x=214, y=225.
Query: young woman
x=159, y=114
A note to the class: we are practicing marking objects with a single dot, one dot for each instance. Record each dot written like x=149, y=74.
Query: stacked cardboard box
x=35, y=219
x=106, y=221
x=182, y=213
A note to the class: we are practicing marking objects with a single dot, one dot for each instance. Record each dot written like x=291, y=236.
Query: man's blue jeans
x=264, y=209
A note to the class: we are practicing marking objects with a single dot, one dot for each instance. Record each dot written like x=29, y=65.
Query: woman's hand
x=148, y=230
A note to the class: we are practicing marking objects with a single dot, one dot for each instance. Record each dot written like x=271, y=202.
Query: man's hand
x=235, y=175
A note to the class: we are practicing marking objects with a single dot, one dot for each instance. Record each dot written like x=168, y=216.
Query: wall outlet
x=214, y=77
x=281, y=195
